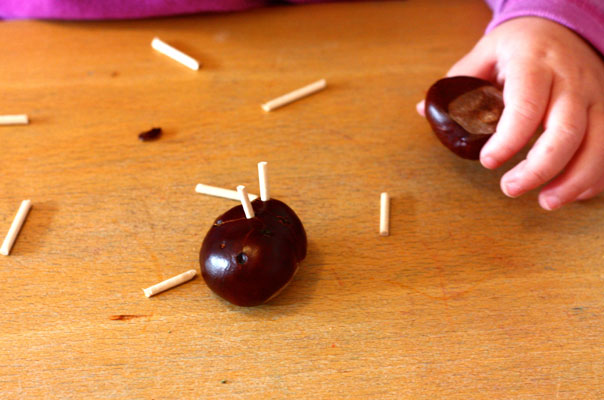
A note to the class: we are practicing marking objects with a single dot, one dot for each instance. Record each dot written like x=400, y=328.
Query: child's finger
x=479, y=62
x=585, y=171
x=593, y=191
x=525, y=95
x=565, y=128
x=420, y=108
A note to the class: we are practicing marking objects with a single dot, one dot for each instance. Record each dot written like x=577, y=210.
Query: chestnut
x=463, y=112
x=249, y=261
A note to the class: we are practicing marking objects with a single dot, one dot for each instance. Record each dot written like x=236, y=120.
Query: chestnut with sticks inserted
x=384, y=214
x=15, y=227
x=295, y=95
x=220, y=192
x=252, y=251
x=170, y=283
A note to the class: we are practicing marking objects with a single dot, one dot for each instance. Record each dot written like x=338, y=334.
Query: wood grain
x=472, y=296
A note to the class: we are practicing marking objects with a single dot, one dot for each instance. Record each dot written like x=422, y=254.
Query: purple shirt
x=586, y=17
x=123, y=9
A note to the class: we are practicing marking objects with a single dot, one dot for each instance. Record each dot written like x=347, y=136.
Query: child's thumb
x=479, y=62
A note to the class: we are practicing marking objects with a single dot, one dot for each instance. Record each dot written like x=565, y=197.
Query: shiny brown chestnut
x=463, y=112
x=249, y=261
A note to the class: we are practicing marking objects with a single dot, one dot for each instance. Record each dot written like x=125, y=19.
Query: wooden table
x=472, y=296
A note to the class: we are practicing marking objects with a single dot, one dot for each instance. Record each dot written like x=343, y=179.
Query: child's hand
x=551, y=76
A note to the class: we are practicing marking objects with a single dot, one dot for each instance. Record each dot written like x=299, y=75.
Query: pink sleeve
x=117, y=9
x=125, y=9
x=585, y=17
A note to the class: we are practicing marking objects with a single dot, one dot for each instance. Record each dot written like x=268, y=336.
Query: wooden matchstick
x=220, y=192
x=245, y=202
x=15, y=227
x=384, y=214
x=170, y=283
x=20, y=119
x=264, y=192
x=174, y=54
x=295, y=95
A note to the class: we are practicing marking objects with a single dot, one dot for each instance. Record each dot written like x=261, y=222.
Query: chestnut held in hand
x=463, y=112
x=249, y=261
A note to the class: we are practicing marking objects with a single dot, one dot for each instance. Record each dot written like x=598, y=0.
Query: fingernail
x=488, y=162
x=420, y=108
x=551, y=202
x=511, y=189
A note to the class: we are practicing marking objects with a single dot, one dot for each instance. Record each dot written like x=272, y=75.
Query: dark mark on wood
x=152, y=134
x=125, y=317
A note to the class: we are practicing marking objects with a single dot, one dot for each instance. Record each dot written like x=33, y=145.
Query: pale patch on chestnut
x=478, y=110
